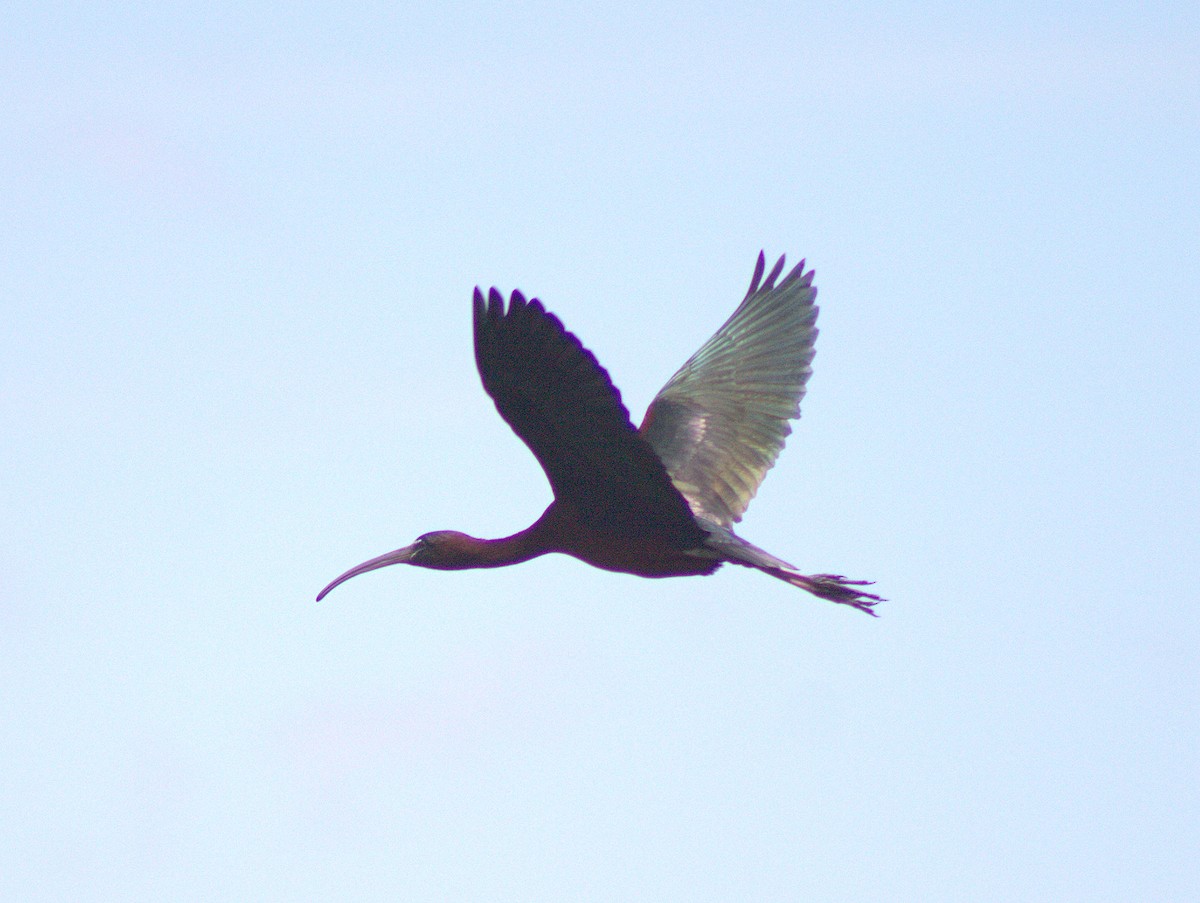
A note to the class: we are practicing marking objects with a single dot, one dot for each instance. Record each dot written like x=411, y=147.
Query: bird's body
x=660, y=500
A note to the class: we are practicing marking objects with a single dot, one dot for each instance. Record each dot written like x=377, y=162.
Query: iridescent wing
x=720, y=422
x=561, y=402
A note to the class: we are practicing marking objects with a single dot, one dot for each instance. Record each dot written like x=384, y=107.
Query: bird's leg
x=835, y=588
x=730, y=547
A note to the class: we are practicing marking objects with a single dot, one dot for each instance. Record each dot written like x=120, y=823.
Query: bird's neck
x=496, y=553
x=531, y=542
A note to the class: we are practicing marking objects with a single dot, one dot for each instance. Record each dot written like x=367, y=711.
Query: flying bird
x=659, y=500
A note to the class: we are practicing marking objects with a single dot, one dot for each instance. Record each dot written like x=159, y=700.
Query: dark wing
x=561, y=402
x=720, y=422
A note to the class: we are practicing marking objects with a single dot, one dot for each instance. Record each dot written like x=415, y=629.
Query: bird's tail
x=833, y=587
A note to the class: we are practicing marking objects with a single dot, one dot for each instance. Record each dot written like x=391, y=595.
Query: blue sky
x=237, y=251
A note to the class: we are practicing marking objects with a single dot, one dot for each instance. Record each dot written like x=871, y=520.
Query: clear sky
x=237, y=248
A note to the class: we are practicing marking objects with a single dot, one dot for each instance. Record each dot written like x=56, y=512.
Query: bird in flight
x=659, y=500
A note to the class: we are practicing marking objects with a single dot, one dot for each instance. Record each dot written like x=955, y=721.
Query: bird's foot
x=837, y=588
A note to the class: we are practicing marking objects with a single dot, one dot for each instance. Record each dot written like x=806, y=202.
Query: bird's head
x=443, y=550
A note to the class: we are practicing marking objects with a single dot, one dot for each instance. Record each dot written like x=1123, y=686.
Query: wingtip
x=769, y=282
x=759, y=268
x=765, y=283
x=798, y=274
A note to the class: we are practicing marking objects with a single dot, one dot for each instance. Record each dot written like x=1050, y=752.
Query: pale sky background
x=237, y=248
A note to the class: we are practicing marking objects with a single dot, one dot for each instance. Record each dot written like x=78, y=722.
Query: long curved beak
x=400, y=556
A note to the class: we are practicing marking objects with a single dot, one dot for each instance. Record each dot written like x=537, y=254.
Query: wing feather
x=562, y=403
x=721, y=421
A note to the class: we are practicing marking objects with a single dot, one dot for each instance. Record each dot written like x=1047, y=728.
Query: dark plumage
x=659, y=501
